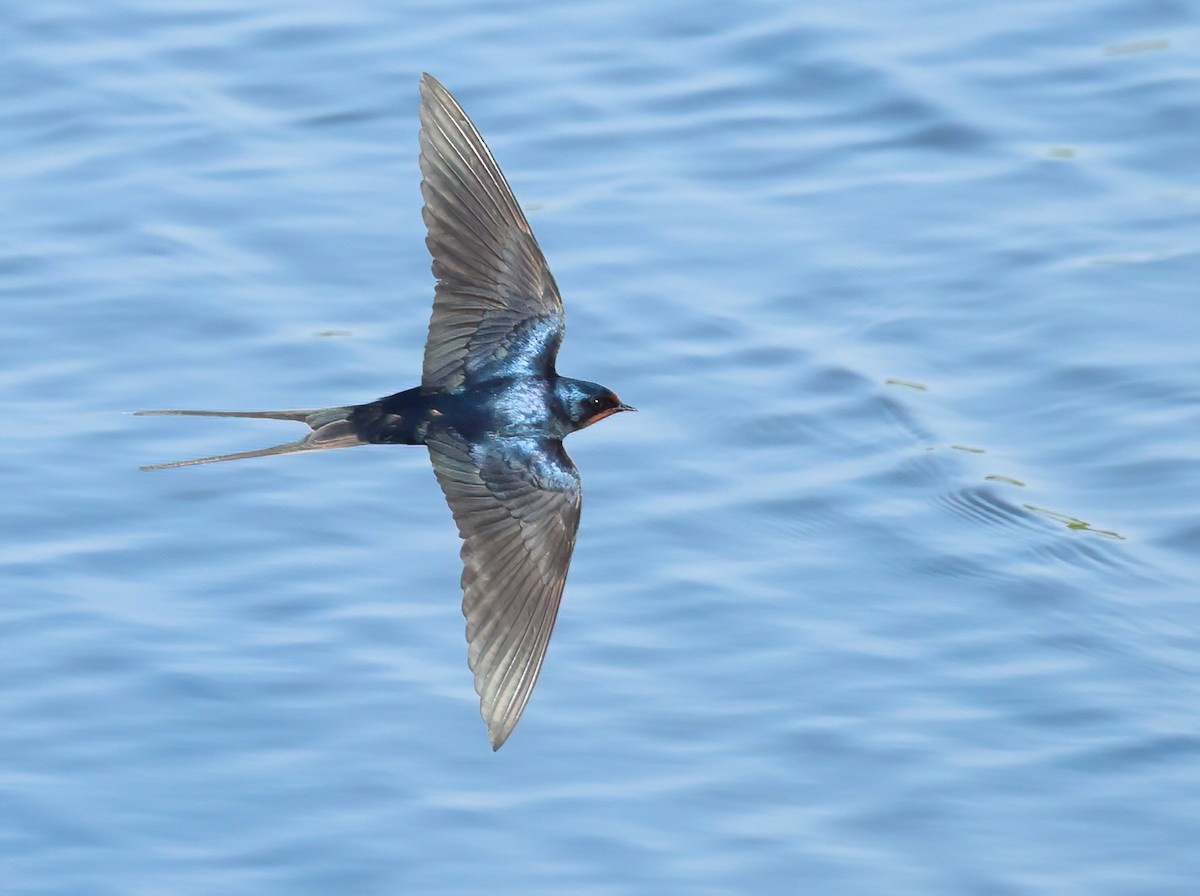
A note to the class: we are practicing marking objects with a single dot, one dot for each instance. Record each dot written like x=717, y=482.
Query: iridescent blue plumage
x=491, y=409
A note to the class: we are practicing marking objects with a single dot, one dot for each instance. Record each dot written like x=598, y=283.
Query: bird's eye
x=595, y=403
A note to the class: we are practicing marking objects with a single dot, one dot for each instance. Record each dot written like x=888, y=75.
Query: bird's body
x=515, y=407
x=491, y=409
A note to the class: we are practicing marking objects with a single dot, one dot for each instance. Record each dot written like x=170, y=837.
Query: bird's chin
x=597, y=417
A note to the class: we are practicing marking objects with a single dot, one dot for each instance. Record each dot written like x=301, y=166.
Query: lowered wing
x=517, y=506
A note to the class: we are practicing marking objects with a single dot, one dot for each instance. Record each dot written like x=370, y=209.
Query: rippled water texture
x=889, y=588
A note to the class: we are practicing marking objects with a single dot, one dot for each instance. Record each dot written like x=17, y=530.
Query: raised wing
x=517, y=507
x=496, y=308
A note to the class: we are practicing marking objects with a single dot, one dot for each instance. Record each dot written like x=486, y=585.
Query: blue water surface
x=891, y=587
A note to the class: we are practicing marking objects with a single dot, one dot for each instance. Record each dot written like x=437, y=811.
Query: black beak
x=625, y=407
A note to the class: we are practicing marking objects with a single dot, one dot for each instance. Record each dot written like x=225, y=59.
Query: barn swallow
x=491, y=409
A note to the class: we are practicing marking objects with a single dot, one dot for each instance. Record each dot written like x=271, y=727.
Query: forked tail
x=331, y=428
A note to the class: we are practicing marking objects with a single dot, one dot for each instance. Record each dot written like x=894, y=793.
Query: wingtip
x=430, y=85
x=497, y=738
x=499, y=727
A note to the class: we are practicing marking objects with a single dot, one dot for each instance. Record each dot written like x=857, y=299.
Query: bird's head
x=585, y=402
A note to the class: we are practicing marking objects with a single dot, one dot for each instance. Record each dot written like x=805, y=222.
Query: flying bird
x=491, y=408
